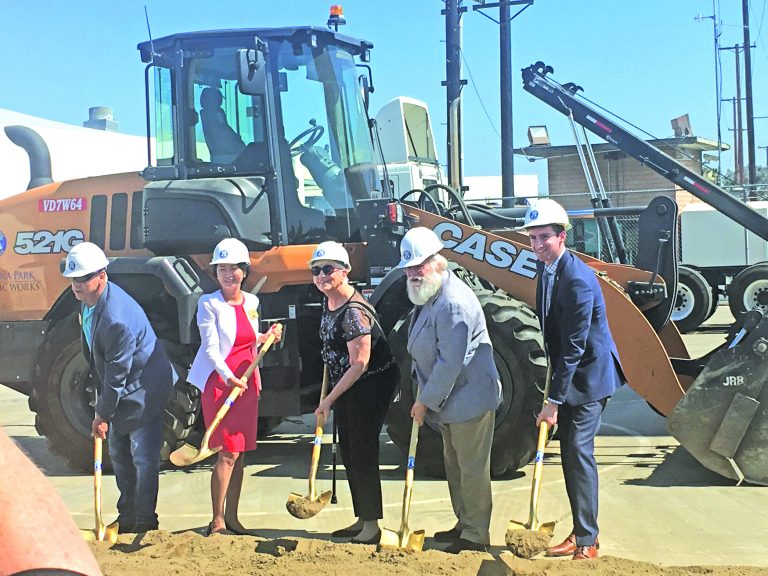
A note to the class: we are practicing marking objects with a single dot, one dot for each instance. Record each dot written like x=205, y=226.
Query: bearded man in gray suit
x=459, y=388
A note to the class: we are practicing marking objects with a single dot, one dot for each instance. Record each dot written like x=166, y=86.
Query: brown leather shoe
x=585, y=553
x=567, y=547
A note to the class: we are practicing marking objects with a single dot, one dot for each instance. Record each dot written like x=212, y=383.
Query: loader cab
x=266, y=126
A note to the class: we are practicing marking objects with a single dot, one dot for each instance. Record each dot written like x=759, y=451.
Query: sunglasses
x=86, y=278
x=327, y=269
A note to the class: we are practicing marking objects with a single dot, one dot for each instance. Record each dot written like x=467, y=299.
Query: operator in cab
x=584, y=364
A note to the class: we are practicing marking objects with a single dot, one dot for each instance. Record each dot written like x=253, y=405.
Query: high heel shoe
x=346, y=532
x=373, y=540
x=209, y=530
x=237, y=531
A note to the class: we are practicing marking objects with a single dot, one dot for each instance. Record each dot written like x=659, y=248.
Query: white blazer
x=218, y=326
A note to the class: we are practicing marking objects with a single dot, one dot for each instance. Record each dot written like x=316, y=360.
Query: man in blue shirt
x=134, y=379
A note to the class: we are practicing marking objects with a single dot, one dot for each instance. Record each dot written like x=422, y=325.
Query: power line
x=477, y=92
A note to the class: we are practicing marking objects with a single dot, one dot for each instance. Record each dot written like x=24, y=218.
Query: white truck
x=719, y=258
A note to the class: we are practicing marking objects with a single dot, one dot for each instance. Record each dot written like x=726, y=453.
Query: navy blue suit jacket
x=133, y=373
x=584, y=358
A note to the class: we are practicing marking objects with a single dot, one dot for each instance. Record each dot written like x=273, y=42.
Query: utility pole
x=738, y=141
x=752, y=169
x=739, y=126
x=738, y=121
x=505, y=90
x=453, y=83
x=505, y=97
x=718, y=106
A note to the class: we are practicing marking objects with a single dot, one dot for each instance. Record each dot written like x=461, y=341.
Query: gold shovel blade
x=527, y=540
x=189, y=454
x=110, y=532
x=303, y=507
x=406, y=540
x=535, y=526
x=102, y=533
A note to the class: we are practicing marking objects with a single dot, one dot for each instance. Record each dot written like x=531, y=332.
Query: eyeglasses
x=327, y=269
x=86, y=278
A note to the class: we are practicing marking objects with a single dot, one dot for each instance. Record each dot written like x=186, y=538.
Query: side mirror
x=252, y=71
x=366, y=84
x=365, y=90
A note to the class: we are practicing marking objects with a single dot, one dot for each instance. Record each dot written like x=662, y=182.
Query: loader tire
x=521, y=362
x=693, y=302
x=63, y=399
x=749, y=290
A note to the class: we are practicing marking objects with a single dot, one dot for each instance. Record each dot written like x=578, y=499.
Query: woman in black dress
x=364, y=376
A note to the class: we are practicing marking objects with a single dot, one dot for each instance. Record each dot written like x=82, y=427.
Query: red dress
x=237, y=431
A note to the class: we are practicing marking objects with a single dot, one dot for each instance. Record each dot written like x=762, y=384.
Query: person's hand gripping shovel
x=304, y=507
x=526, y=539
x=406, y=539
x=100, y=532
x=189, y=454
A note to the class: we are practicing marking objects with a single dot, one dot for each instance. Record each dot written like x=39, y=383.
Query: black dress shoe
x=463, y=544
x=125, y=527
x=451, y=535
x=143, y=527
x=346, y=532
x=375, y=539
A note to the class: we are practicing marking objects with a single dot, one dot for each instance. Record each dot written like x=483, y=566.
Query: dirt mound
x=189, y=552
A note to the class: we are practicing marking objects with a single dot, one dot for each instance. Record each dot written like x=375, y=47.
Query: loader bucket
x=723, y=418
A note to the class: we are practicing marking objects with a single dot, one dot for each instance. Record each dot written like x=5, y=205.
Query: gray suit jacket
x=452, y=355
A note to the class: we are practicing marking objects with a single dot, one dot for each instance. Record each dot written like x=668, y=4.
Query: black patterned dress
x=361, y=410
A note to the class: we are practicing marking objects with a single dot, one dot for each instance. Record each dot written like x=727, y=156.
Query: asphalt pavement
x=656, y=502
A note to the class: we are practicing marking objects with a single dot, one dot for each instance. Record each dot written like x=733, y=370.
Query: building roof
x=690, y=143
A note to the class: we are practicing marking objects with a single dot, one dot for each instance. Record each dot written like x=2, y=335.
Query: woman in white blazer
x=228, y=321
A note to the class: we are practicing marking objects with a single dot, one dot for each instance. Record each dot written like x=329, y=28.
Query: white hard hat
x=545, y=212
x=417, y=245
x=230, y=251
x=83, y=259
x=330, y=251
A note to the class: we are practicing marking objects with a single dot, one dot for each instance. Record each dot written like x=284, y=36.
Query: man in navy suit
x=584, y=364
x=134, y=378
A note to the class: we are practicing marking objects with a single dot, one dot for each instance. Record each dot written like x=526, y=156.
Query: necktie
x=548, y=286
x=416, y=312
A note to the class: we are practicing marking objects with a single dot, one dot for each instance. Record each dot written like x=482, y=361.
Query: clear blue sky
x=647, y=60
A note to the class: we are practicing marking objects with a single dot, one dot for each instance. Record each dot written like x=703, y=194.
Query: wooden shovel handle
x=318, y=441
x=537, y=468
x=236, y=391
x=410, y=466
x=97, y=465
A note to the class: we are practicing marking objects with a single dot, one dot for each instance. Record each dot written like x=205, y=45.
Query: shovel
x=529, y=544
x=406, y=539
x=100, y=532
x=188, y=454
x=304, y=507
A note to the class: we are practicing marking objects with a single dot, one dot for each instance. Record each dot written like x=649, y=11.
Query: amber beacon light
x=336, y=18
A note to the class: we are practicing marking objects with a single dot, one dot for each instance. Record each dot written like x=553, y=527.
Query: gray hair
x=441, y=263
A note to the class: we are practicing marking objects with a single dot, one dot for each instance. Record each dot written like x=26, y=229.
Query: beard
x=421, y=289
